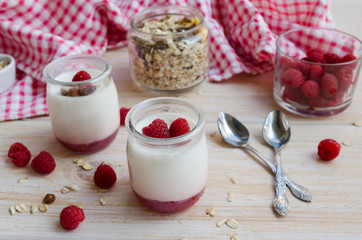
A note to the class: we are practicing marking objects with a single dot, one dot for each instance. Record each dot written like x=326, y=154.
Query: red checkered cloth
x=242, y=34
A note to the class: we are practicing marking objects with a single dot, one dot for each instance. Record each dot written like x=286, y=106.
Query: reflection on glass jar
x=168, y=48
x=84, y=114
x=167, y=174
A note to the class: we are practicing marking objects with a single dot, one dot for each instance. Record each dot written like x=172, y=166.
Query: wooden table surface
x=335, y=212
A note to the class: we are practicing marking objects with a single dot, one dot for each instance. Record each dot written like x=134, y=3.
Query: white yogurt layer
x=168, y=173
x=84, y=119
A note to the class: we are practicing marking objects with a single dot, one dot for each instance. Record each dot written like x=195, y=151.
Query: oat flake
x=221, y=222
x=358, y=123
x=230, y=197
x=33, y=208
x=12, y=210
x=103, y=200
x=347, y=143
x=232, y=180
x=232, y=223
x=24, y=179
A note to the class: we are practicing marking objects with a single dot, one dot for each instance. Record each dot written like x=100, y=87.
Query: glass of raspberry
x=83, y=109
x=316, y=71
x=167, y=175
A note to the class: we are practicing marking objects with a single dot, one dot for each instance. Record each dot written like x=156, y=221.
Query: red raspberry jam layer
x=90, y=147
x=169, y=206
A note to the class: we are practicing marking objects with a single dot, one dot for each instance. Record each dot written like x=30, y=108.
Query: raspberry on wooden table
x=104, y=176
x=43, y=163
x=71, y=216
x=157, y=129
x=81, y=76
x=123, y=113
x=179, y=127
x=20, y=154
x=328, y=149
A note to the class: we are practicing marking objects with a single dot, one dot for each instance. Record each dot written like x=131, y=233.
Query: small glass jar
x=309, y=88
x=167, y=174
x=168, y=48
x=84, y=114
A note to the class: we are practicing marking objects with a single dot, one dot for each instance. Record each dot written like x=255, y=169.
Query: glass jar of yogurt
x=84, y=114
x=167, y=174
x=168, y=48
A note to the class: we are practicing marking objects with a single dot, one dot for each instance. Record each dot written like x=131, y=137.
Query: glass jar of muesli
x=168, y=48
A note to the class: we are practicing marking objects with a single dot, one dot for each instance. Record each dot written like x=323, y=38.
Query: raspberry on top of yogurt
x=159, y=129
x=81, y=76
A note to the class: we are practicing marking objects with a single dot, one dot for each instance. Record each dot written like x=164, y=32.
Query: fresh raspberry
x=292, y=78
x=310, y=89
x=71, y=216
x=329, y=85
x=123, y=113
x=292, y=94
x=345, y=77
x=332, y=58
x=20, y=154
x=287, y=62
x=318, y=101
x=315, y=72
x=104, y=176
x=81, y=76
x=348, y=58
x=315, y=55
x=157, y=129
x=43, y=163
x=328, y=149
x=179, y=127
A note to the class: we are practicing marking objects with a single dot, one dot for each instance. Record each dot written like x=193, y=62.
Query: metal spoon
x=276, y=132
x=236, y=134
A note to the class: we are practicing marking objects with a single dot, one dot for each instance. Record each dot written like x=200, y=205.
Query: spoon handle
x=280, y=202
x=298, y=191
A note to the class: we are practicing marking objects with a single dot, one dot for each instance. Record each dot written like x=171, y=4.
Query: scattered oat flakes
x=65, y=189
x=234, y=238
x=183, y=238
x=102, y=190
x=87, y=166
x=198, y=92
x=347, y=143
x=213, y=134
x=12, y=210
x=43, y=207
x=24, y=179
x=103, y=200
x=230, y=197
x=232, y=180
x=358, y=123
x=74, y=188
x=33, y=208
x=221, y=222
x=232, y=223
x=20, y=207
x=210, y=211
x=78, y=162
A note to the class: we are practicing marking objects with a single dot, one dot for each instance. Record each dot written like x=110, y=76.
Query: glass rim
x=58, y=61
x=164, y=141
x=318, y=28
x=165, y=8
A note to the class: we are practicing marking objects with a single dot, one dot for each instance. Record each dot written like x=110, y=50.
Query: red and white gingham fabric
x=242, y=34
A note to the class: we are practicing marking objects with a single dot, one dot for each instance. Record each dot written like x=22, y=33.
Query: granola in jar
x=168, y=48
